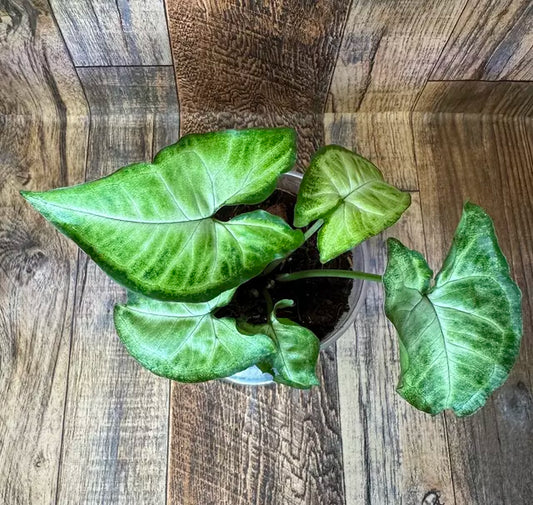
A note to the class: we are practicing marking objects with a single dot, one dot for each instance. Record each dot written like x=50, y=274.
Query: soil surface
x=319, y=303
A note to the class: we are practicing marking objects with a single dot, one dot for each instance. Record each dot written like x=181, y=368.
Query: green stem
x=268, y=300
x=347, y=274
x=309, y=233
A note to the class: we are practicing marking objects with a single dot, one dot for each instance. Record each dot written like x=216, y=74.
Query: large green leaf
x=297, y=348
x=460, y=336
x=185, y=341
x=150, y=226
x=349, y=193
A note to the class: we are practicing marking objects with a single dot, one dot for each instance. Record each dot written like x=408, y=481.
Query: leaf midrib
x=165, y=314
x=280, y=350
x=115, y=218
x=444, y=344
x=436, y=314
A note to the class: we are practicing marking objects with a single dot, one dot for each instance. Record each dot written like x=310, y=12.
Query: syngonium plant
x=151, y=227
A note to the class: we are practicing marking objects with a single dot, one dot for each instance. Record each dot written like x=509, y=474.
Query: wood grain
x=116, y=423
x=388, y=52
x=500, y=99
x=392, y=453
x=243, y=64
x=493, y=40
x=120, y=32
x=488, y=160
x=43, y=119
x=256, y=445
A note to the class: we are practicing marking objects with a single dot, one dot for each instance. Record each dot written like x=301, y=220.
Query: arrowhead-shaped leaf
x=460, y=337
x=150, y=226
x=349, y=193
x=185, y=341
x=297, y=348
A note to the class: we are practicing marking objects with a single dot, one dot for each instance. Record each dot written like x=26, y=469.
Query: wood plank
x=43, y=118
x=116, y=426
x=477, y=97
x=493, y=40
x=264, y=445
x=392, y=453
x=488, y=160
x=123, y=32
x=388, y=52
x=243, y=64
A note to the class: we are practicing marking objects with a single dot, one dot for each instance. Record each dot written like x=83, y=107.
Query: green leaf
x=349, y=193
x=185, y=341
x=460, y=337
x=150, y=226
x=297, y=348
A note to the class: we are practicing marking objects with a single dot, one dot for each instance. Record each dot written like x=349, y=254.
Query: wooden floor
x=437, y=94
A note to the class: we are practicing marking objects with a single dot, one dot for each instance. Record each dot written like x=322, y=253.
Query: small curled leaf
x=296, y=350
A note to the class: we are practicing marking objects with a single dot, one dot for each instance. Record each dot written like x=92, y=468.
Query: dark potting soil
x=319, y=302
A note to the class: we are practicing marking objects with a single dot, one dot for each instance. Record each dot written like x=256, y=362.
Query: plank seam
x=495, y=81
x=174, y=73
x=124, y=66
x=437, y=60
x=65, y=400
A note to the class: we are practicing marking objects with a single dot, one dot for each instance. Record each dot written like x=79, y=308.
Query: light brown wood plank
x=388, y=52
x=116, y=422
x=493, y=40
x=392, y=452
x=120, y=32
x=488, y=160
x=43, y=129
x=243, y=64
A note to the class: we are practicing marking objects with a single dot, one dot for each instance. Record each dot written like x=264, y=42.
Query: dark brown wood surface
x=240, y=65
x=244, y=64
x=409, y=84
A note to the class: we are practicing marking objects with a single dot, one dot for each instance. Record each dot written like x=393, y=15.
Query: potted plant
x=184, y=235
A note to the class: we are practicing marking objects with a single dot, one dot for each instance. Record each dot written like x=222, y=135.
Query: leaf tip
x=35, y=199
x=283, y=304
x=29, y=196
x=408, y=199
x=393, y=244
x=324, y=256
